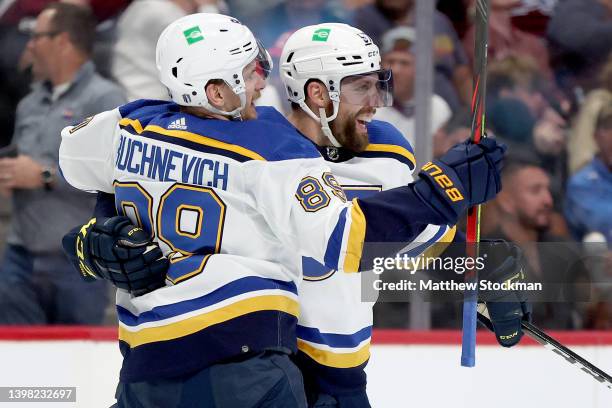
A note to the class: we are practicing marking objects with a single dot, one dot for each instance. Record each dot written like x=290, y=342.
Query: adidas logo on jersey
x=178, y=124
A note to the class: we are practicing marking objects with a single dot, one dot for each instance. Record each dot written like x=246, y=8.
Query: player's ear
x=317, y=95
x=215, y=94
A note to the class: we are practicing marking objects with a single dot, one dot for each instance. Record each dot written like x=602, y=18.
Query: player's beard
x=347, y=134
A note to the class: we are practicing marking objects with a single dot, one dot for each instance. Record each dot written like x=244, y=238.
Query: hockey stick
x=550, y=343
x=468, y=339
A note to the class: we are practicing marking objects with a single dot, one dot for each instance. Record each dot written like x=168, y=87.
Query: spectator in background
x=511, y=120
x=581, y=144
x=520, y=109
x=579, y=34
x=14, y=79
x=398, y=56
x=37, y=283
x=5, y=218
x=456, y=130
x=16, y=20
x=505, y=39
x=518, y=76
x=138, y=29
x=532, y=16
x=589, y=192
x=524, y=211
x=107, y=14
x=452, y=75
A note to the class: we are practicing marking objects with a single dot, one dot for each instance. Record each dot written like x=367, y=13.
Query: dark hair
x=77, y=21
x=214, y=82
x=519, y=159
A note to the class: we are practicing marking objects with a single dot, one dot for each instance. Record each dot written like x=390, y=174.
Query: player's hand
x=478, y=167
x=468, y=174
x=116, y=250
x=506, y=308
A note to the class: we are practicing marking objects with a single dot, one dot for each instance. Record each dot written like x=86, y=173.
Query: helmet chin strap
x=324, y=120
x=236, y=114
x=325, y=127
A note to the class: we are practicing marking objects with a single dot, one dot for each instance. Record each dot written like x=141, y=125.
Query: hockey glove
x=115, y=250
x=466, y=175
x=506, y=307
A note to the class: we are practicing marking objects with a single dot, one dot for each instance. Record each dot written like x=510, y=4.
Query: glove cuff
x=74, y=245
x=508, y=332
x=440, y=188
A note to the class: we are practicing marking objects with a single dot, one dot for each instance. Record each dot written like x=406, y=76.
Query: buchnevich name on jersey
x=161, y=163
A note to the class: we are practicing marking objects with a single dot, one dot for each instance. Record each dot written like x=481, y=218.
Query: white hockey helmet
x=198, y=48
x=334, y=54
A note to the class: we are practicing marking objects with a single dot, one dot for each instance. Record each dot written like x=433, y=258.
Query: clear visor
x=263, y=62
x=373, y=89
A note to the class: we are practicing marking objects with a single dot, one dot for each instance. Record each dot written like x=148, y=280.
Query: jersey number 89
x=189, y=220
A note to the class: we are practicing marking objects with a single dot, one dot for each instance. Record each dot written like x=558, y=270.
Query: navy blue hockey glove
x=466, y=175
x=508, y=307
x=115, y=250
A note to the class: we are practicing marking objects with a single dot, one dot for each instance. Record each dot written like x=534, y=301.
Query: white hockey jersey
x=233, y=209
x=335, y=323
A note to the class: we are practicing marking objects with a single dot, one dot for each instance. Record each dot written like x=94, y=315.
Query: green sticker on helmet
x=321, y=34
x=193, y=35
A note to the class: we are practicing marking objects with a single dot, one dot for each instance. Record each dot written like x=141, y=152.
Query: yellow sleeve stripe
x=354, y=247
x=135, y=123
x=191, y=137
x=374, y=147
x=196, y=323
x=449, y=235
x=336, y=360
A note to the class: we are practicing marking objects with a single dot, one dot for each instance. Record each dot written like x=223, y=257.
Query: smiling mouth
x=362, y=123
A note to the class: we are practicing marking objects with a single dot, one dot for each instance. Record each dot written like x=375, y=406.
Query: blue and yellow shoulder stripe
x=240, y=140
x=387, y=141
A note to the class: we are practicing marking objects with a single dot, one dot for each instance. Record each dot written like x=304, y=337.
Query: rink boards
x=407, y=369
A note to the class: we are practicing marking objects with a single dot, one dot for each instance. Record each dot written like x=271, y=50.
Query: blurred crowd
x=549, y=98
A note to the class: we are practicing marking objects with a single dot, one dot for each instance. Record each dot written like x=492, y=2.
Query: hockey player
x=335, y=90
x=230, y=202
x=334, y=93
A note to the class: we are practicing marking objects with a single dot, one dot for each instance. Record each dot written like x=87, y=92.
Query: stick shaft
x=555, y=346
x=468, y=344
